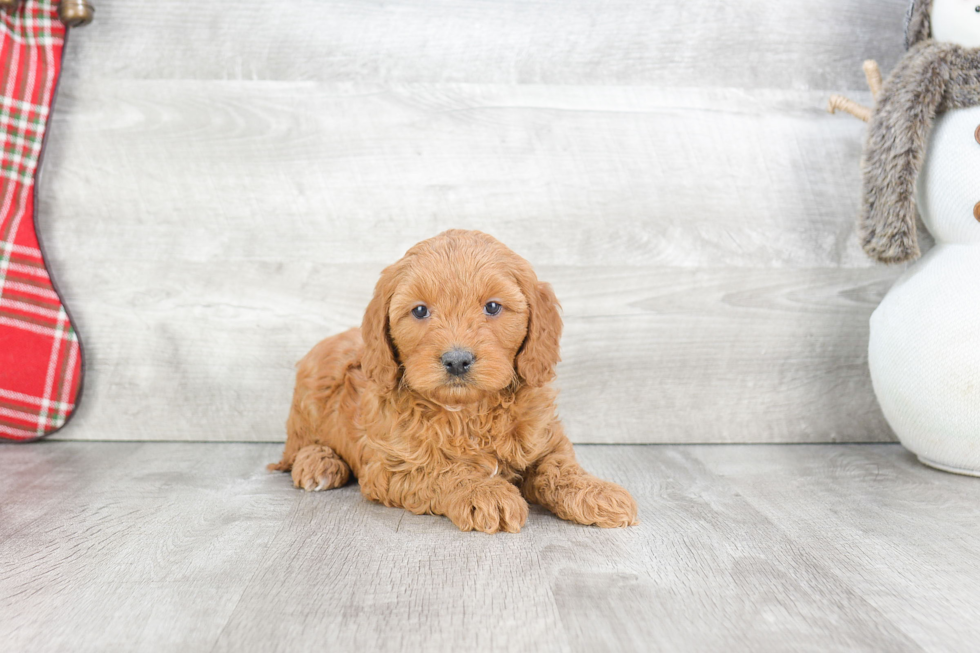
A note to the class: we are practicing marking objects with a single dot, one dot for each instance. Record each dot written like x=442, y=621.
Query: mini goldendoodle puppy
x=442, y=401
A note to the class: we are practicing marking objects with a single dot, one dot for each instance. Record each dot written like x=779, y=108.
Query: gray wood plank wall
x=224, y=181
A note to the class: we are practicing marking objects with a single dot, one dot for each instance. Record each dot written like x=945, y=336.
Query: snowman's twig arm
x=872, y=73
x=841, y=103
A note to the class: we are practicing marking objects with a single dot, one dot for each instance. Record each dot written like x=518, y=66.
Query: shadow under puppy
x=442, y=401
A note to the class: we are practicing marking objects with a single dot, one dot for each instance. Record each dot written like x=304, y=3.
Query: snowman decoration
x=922, y=160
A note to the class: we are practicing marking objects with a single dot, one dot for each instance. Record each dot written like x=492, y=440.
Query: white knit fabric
x=924, y=350
x=955, y=21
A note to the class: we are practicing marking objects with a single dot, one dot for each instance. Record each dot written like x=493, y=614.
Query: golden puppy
x=442, y=401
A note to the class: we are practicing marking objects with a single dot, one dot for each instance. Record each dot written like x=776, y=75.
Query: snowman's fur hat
x=917, y=25
x=930, y=79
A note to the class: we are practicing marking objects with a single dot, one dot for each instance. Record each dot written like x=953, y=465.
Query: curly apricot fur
x=376, y=401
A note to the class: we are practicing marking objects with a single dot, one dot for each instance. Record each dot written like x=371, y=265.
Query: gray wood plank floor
x=194, y=546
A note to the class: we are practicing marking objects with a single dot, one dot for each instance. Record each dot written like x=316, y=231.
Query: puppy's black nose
x=458, y=361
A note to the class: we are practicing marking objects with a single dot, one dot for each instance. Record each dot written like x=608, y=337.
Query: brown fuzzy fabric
x=930, y=79
x=918, y=27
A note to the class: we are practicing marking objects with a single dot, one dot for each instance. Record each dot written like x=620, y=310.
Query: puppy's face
x=463, y=317
x=457, y=326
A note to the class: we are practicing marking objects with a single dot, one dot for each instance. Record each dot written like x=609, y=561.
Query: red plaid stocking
x=40, y=360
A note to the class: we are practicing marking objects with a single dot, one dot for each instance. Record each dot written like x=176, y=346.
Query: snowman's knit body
x=924, y=349
x=922, y=160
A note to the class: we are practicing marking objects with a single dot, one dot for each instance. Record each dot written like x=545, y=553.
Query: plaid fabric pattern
x=40, y=360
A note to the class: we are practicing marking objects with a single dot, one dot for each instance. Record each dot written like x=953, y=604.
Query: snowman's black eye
x=420, y=312
x=492, y=308
x=977, y=9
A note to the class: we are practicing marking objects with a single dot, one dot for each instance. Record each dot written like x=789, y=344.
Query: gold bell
x=10, y=6
x=75, y=13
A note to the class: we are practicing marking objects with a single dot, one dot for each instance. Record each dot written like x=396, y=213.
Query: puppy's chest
x=509, y=443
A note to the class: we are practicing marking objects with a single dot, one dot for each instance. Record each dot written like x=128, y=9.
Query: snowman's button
x=976, y=210
x=976, y=134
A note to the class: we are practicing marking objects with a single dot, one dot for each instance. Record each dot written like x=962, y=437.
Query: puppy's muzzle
x=458, y=361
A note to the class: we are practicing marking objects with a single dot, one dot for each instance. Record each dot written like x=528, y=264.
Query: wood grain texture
x=874, y=511
x=358, y=173
x=213, y=211
x=711, y=43
x=193, y=546
x=643, y=349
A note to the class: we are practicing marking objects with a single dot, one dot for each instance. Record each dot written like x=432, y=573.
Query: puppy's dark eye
x=420, y=312
x=977, y=9
x=492, y=308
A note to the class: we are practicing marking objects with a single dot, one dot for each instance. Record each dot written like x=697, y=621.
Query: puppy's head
x=459, y=317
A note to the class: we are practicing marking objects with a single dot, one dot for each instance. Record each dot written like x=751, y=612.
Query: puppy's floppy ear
x=378, y=358
x=538, y=356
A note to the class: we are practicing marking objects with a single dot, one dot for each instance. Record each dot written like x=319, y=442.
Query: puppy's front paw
x=595, y=502
x=318, y=467
x=490, y=507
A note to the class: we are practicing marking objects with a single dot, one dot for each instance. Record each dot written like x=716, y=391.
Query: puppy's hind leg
x=318, y=467
x=314, y=465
